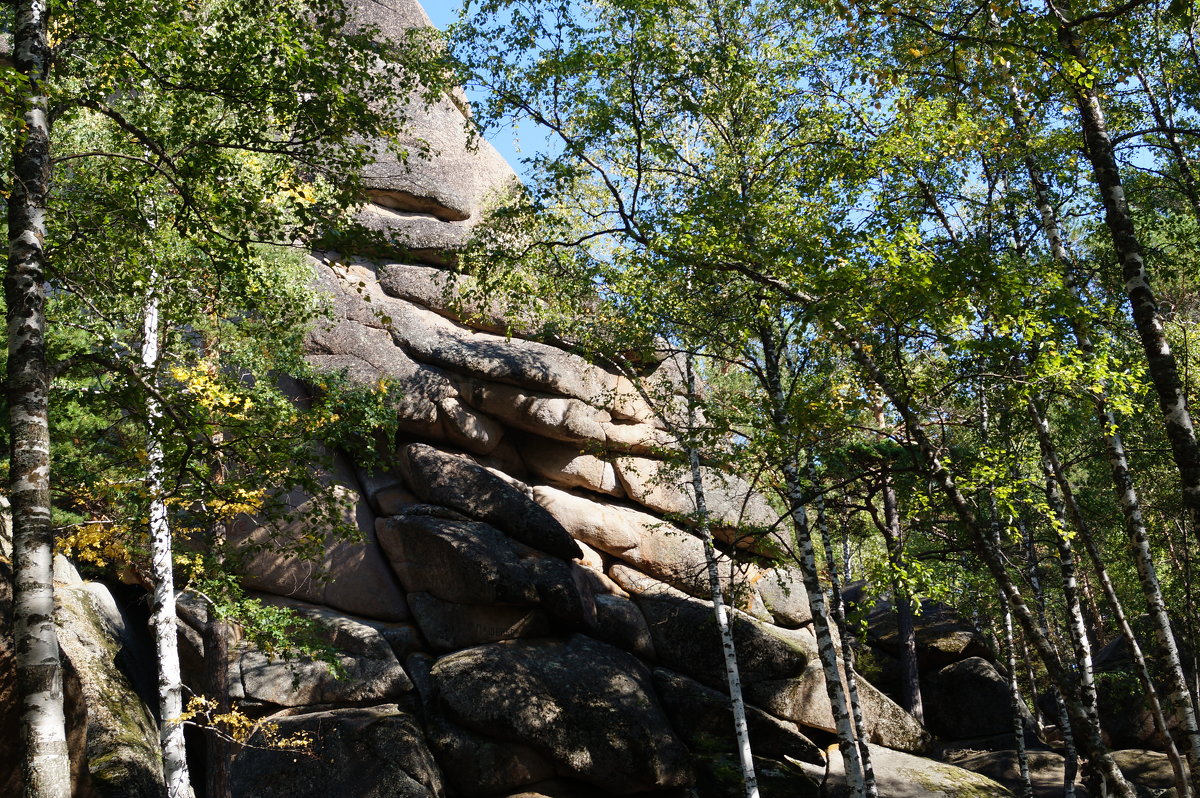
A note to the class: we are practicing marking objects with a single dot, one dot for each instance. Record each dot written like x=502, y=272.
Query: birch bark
x=728, y=649
x=1160, y=360
x=162, y=613
x=1062, y=500
x=807, y=560
x=839, y=617
x=46, y=767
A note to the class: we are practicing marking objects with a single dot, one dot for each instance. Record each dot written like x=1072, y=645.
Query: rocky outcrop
x=543, y=597
x=970, y=699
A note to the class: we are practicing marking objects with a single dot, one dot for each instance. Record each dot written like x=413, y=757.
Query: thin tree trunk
x=46, y=765
x=1122, y=476
x=806, y=559
x=839, y=617
x=889, y=527
x=1160, y=360
x=1065, y=499
x=1083, y=721
x=741, y=731
x=162, y=617
x=1014, y=697
x=1094, y=746
x=1076, y=627
x=1186, y=175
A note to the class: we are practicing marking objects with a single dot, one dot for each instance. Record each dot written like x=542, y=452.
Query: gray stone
x=456, y=561
x=371, y=670
x=349, y=575
x=437, y=171
x=367, y=752
x=704, y=718
x=645, y=542
x=564, y=593
x=570, y=467
x=123, y=756
x=719, y=775
x=1147, y=768
x=588, y=708
x=462, y=485
x=664, y=488
x=805, y=701
x=562, y=788
x=391, y=18
x=969, y=699
x=783, y=593
x=482, y=765
x=562, y=418
x=687, y=640
x=620, y=622
x=449, y=627
x=943, y=636
x=901, y=775
x=420, y=237
x=432, y=339
x=455, y=297
x=359, y=343
x=1046, y=770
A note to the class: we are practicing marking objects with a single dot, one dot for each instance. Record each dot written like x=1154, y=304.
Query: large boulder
x=459, y=561
x=570, y=467
x=719, y=775
x=687, y=640
x=366, y=752
x=970, y=699
x=804, y=700
x=450, y=627
x=123, y=755
x=359, y=343
x=901, y=775
x=460, y=484
x=366, y=666
x=586, y=707
x=620, y=622
x=704, y=718
x=484, y=765
x=646, y=542
x=349, y=575
x=429, y=338
x=1148, y=770
x=943, y=636
x=666, y=488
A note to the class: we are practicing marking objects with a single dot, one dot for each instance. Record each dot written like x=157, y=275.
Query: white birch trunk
x=807, y=560
x=162, y=618
x=46, y=764
x=1014, y=697
x=728, y=649
x=1128, y=499
x=839, y=617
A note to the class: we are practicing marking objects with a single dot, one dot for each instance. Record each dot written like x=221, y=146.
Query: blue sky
x=443, y=12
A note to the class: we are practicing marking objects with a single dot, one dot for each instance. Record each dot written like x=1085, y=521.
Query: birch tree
x=179, y=98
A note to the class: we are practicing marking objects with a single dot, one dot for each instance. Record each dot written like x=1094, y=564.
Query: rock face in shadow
x=370, y=752
x=587, y=708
